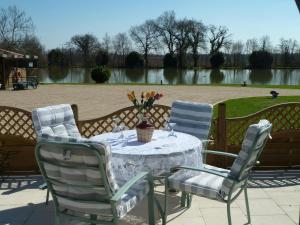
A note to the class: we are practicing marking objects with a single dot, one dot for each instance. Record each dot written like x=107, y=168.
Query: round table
x=164, y=152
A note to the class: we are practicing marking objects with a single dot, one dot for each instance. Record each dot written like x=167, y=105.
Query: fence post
x=75, y=112
x=221, y=131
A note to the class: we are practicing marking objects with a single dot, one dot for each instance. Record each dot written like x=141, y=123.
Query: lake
x=172, y=76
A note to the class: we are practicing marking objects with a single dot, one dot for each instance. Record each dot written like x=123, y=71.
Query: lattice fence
x=128, y=116
x=284, y=117
x=16, y=122
x=17, y=136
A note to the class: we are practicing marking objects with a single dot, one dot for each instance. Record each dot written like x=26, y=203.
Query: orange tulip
x=148, y=95
x=130, y=97
x=133, y=94
x=152, y=93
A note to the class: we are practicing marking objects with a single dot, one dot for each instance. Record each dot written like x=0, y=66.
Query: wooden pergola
x=9, y=60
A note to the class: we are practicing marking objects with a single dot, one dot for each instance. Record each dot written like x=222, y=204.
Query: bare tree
x=121, y=47
x=218, y=38
x=145, y=38
x=87, y=45
x=251, y=45
x=14, y=27
x=121, y=44
x=197, y=39
x=182, y=38
x=288, y=48
x=237, y=49
x=165, y=26
x=265, y=43
x=107, y=42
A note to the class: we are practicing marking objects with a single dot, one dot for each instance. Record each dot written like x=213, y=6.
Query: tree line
x=166, y=41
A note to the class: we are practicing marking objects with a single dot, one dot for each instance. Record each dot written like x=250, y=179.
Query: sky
x=56, y=21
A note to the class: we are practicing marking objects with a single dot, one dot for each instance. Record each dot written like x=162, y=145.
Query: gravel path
x=99, y=100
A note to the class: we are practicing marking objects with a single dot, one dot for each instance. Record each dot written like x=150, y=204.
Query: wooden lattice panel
x=128, y=116
x=284, y=117
x=16, y=122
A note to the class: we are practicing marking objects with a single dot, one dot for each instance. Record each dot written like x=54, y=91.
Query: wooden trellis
x=128, y=116
x=17, y=136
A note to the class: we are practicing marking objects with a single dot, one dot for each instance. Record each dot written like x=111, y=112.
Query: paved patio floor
x=274, y=200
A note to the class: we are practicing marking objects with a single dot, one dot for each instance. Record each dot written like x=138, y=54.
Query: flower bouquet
x=144, y=128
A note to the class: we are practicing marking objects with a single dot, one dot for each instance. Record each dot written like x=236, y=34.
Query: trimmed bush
x=134, y=60
x=217, y=60
x=261, y=60
x=101, y=74
x=170, y=61
x=101, y=58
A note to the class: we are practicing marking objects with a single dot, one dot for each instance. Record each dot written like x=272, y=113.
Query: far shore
x=99, y=100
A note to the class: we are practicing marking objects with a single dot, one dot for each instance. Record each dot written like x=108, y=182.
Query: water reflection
x=170, y=75
x=195, y=77
x=135, y=75
x=174, y=76
x=57, y=73
x=260, y=76
x=216, y=76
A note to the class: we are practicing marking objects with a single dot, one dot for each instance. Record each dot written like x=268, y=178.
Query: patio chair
x=221, y=184
x=81, y=180
x=195, y=119
x=192, y=118
x=54, y=121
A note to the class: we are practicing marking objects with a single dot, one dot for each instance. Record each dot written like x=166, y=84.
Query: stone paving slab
x=22, y=203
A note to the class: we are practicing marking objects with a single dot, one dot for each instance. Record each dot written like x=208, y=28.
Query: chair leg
x=183, y=199
x=47, y=196
x=229, y=213
x=189, y=200
x=151, y=214
x=247, y=205
x=93, y=219
x=165, y=212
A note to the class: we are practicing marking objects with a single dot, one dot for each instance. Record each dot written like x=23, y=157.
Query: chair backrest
x=192, y=118
x=56, y=120
x=79, y=176
x=252, y=146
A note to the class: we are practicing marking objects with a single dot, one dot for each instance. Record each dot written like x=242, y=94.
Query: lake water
x=171, y=76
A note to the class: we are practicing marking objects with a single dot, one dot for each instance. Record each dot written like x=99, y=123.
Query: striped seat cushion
x=78, y=157
x=135, y=194
x=251, y=148
x=192, y=118
x=96, y=205
x=85, y=171
x=55, y=120
x=200, y=183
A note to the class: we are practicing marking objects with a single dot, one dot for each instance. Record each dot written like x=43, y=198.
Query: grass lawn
x=245, y=106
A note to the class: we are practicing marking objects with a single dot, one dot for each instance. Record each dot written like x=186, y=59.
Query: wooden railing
x=17, y=137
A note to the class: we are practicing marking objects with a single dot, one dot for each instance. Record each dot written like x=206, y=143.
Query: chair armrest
x=206, y=171
x=118, y=195
x=220, y=153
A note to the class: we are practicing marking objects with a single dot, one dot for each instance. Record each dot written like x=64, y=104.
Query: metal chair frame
x=186, y=198
x=113, y=198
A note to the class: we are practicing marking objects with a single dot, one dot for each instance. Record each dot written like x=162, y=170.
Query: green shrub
x=101, y=74
x=261, y=60
x=134, y=60
x=170, y=61
x=217, y=60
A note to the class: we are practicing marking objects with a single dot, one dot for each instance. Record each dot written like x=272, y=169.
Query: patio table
x=164, y=152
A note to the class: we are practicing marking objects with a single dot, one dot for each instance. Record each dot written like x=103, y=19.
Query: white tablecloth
x=130, y=157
